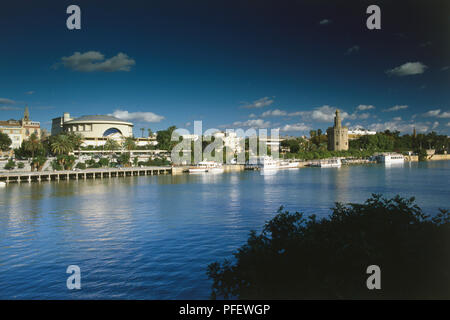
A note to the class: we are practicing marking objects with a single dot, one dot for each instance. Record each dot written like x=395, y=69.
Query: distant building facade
x=95, y=129
x=337, y=135
x=20, y=130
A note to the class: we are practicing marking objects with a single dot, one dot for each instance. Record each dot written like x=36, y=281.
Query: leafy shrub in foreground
x=298, y=257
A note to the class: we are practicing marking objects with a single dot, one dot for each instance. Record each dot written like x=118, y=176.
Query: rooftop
x=96, y=118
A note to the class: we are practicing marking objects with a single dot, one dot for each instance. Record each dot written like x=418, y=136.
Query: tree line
x=365, y=146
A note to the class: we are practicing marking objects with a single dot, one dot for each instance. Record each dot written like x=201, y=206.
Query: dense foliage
x=5, y=141
x=10, y=164
x=364, y=146
x=164, y=138
x=298, y=257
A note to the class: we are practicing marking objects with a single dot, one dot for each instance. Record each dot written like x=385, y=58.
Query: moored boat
x=207, y=166
x=327, y=163
x=390, y=158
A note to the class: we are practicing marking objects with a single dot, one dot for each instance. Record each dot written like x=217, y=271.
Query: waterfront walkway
x=20, y=177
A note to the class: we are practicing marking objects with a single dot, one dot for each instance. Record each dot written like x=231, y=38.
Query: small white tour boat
x=268, y=163
x=262, y=163
x=2, y=184
x=391, y=158
x=327, y=163
x=288, y=165
x=207, y=166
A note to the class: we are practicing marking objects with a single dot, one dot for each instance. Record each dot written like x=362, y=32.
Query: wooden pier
x=28, y=177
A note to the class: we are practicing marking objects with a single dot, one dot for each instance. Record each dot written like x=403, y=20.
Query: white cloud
x=396, y=108
x=437, y=113
x=325, y=114
x=362, y=116
x=137, y=116
x=363, y=107
x=252, y=115
x=407, y=69
x=296, y=127
x=91, y=61
x=445, y=68
x=448, y=124
x=432, y=113
x=260, y=103
x=253, y=123
x=325, y=22
x=29, y=92
x=296, y=113
x=435, y=125
x=274, y=113
x=400, y=126
x=351, y=50
x=7, y=108
x=397, y=118
x=6, y=101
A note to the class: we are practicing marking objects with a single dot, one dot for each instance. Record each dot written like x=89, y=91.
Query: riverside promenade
x=28, y=177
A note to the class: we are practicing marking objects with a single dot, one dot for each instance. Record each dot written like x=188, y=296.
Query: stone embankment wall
x=431, y=158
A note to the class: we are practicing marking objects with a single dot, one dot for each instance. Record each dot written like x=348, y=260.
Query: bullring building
x=95, y=129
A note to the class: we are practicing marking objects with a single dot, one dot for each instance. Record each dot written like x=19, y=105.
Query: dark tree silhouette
x=298, y=257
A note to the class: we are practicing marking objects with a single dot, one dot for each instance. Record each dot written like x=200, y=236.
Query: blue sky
x=231, y=64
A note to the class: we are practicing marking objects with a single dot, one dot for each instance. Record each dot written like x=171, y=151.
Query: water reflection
x=152, y=237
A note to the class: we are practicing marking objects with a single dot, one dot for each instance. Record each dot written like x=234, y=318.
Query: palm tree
x=129, y=145
x=142, y=130
x=76, y=140
x=150, y=133
x=111, y=145
x=61, y=145
x=33, y=144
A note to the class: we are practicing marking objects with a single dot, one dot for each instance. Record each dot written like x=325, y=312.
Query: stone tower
x=337, y=135
x=26, y=115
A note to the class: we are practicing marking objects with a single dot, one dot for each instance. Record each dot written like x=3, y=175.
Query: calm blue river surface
x=153, y=237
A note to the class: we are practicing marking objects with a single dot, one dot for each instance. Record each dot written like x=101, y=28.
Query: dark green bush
x=81, y=165
x=10, y=164
x=56, y=165
x=298, y=257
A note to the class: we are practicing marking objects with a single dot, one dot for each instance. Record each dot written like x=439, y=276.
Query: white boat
x=262, y=163
x=391, y=158
x=198, y=170
x=216, y=169
x=288, y=165
x=2, y=184
x=327, y=163
x=207, y=166
x=268, y=163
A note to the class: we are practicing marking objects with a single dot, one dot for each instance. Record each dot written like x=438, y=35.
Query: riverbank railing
x=20, y=177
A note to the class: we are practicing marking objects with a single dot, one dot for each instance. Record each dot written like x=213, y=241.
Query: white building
x=20, y=130
x=231, y=141
x=13, y=129
x=95, y=129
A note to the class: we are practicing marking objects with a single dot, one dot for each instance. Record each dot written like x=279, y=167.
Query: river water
x=153, y=237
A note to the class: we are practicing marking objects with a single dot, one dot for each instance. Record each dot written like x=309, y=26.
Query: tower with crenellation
x=337, y=135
